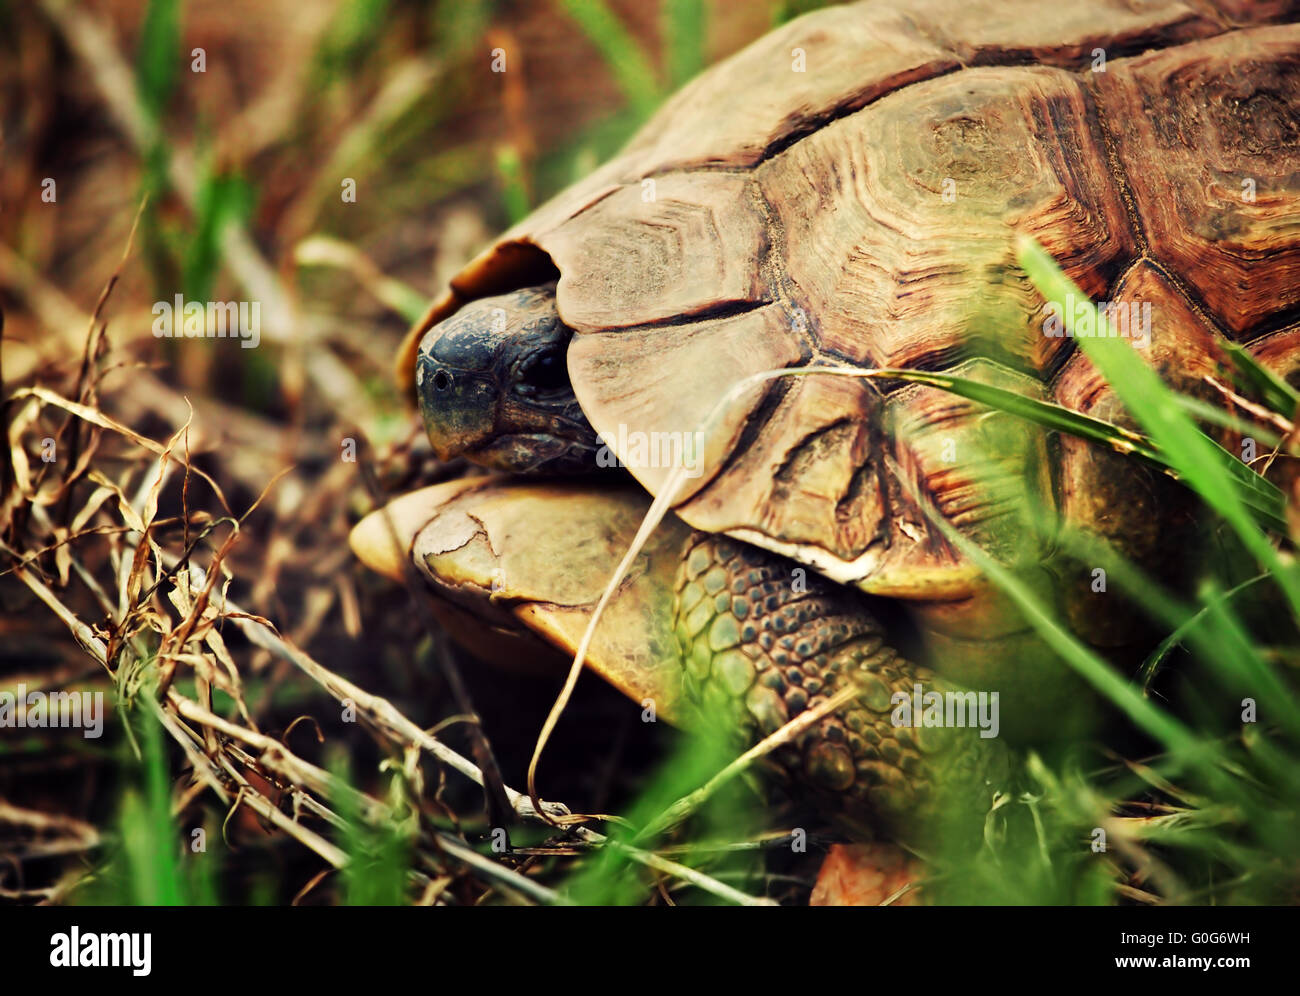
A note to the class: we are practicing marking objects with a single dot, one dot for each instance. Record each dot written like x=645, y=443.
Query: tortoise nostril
x=441, y=380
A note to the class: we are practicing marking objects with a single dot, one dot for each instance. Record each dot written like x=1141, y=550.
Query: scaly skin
x=756, y=652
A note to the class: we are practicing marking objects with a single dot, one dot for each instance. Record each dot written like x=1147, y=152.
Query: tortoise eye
x=545, y=373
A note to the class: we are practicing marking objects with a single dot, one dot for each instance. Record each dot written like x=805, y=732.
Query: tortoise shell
x=848, y=190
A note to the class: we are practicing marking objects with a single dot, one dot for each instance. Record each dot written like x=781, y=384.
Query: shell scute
x=1208, y=137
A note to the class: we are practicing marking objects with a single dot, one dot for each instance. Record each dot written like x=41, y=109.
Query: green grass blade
x=631, y=69
x=684, y=28
x=1205, y=412
x=1278, y=395
x=159, y=55
x=514, y=189
x=1264, y=501
x=378, y=856
x=788, y=10
x=221, y=201
x=1212, y=634
x=1193, y=455
x=148, y=832
x=1176, y=737
x=459, y=25
x=353, y=32
x=1152, y=665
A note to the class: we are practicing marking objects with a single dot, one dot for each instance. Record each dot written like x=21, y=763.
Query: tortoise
x=847, y=192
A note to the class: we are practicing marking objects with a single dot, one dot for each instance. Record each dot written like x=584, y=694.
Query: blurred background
x=240, y=123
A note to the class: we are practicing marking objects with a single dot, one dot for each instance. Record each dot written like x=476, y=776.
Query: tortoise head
x=493, y=385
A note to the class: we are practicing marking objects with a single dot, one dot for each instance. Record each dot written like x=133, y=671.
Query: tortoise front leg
x=762, y=640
